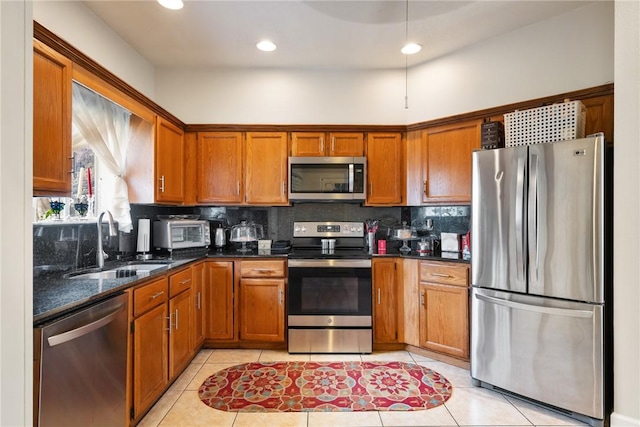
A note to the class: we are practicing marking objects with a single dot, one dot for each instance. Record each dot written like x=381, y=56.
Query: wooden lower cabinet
x=180, y=348
x=197, y=304
x=162, y=336
x=262, y=300
x=385, y=300
x=262, y=310
x=219, y=300
x=150, y=344
x=444, y=308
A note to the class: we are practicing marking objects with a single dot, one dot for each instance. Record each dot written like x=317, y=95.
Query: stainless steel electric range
x=329, y=294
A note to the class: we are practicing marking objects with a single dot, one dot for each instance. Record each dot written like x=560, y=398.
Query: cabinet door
x=218, y=291
x=150, y=358
x=197, y=325
x=446, y=157
x=262, y=310
x=219, y=163
x=51, y=122
x=308, y=144
x=346, y=144
x=180, y=348
x=385, y=301
x=599, y=116
x=170, y=162
x=384, y=168
x=444, y=319
x=266, y=168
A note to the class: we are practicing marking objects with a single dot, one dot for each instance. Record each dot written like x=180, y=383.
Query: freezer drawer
x=547, y=350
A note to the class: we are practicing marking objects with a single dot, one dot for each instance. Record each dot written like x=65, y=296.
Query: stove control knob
x=329, y=321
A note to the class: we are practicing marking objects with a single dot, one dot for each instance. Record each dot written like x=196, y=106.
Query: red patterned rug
x=325, y=387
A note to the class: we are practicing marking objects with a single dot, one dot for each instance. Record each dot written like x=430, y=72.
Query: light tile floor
x=469, y=405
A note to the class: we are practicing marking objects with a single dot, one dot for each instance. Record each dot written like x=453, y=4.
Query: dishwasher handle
x=84, y=330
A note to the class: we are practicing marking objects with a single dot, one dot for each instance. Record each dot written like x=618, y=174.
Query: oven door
x=329, y=306
x=329, y=292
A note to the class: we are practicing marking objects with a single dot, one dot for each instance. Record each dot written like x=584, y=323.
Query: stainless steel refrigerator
x=541, y=275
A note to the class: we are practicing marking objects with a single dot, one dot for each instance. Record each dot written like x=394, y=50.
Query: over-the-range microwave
x=314, y=179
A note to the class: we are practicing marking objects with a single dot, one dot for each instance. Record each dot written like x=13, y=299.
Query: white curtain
x=104, y=126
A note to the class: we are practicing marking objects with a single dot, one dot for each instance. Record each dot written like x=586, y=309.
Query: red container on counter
x=382, y=246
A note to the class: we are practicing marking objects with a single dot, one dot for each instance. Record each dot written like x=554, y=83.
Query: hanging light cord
x=406, y=57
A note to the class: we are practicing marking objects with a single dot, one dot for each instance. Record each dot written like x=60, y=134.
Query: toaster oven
x=181, y=233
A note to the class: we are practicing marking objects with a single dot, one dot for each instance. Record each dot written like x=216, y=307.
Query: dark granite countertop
x=55, y=296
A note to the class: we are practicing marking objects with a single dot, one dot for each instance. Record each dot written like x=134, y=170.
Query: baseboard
x=618, y=420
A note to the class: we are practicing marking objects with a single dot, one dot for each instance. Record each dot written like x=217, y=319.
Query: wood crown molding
x=77, y=57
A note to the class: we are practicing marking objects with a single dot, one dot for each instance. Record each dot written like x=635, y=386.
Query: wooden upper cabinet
x=384, y=168
x=266, y=168
x=308, y=144
x=219, y=167
x=170, y=162
x=446, y=162
x=346, y=144
x=336, y=144
x=52, y=163
x=599, y=116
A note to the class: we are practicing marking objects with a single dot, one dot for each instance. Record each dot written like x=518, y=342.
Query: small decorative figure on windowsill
x=54, y=210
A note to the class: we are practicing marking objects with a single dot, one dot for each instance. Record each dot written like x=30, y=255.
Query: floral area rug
x=325, y=387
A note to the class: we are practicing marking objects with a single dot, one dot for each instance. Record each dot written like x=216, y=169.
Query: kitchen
x=410, y=121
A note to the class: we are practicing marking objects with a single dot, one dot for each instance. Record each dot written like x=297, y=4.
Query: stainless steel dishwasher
x=83, y=367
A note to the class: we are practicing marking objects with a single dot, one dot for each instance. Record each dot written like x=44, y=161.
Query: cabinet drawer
x=180, y=282
x=265, y=268
x=440, y=272
x=149, y=296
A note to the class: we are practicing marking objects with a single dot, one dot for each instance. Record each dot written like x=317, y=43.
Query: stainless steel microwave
x=181, y=233
x=327, y=179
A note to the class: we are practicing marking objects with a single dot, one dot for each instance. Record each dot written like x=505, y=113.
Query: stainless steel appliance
x=173, y=234
x=541, y=274
x=83, y=367
x=329, y=303
x=327, y=179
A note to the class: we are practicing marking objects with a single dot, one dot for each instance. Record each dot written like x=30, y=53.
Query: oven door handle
x=330, y=263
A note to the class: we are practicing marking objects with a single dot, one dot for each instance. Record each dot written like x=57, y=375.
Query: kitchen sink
x=135, y=270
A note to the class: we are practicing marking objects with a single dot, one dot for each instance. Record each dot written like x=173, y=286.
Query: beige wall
x=627, y=216
x=16, y=288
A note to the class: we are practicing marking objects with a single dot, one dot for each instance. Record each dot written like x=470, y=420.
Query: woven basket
x=557, y=122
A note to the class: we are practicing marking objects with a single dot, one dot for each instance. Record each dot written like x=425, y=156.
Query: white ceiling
x=314, y=34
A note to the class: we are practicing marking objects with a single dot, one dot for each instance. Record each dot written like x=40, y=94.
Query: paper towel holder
x=144, y=235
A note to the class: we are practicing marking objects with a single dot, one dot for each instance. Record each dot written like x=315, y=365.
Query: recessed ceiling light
x=172, y=4
x=411, y=48
x=266, y=46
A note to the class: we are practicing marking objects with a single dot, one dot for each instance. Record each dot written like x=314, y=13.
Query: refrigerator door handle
x=536, y=308
x=533, y=218
x=519, y=219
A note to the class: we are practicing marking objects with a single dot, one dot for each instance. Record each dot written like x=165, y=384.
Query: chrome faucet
x=100, y=255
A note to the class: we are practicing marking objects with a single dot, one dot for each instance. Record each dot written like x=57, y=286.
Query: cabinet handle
x=421, y=298
x=198, y=301
x=238, y=188
x=440, y=275
x=162, y=184
x=322, y=143
x=284, y=187
x=185, y=281
x=73, y=164
x=281, y=296
x=425, y=187
x=378, y=296
x=333, y=144
x=263, y=270
x=176, y=319
x=169, y=318
x=156, y=295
